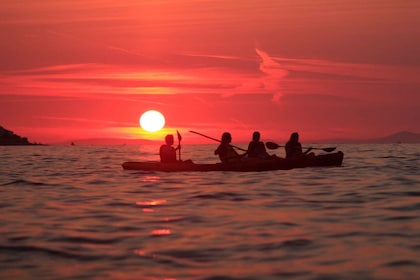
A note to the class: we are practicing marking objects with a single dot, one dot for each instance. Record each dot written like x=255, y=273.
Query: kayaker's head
x=294, y=137
x=256, y=136
x=169, y=139
x=226, y=137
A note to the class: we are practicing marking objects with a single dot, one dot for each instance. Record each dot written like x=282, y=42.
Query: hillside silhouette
x=9, y=138
x=398, y=137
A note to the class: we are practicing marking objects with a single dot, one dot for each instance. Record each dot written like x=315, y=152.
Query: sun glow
x=152, y=121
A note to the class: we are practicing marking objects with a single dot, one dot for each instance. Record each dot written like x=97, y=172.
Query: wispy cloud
x=274, y=74
x=350, y=70
x=313, y=76
x=264, y=74
x=216, y=56
x=85, y=120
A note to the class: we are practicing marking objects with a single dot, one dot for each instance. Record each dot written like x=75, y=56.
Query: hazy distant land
x=8, y=137
x=398, y=137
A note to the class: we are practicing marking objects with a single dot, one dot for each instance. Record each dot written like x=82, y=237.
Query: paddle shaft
x=179, y=144
x=272, y=145
x=214, y=139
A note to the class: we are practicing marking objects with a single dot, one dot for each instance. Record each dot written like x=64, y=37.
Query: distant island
x=402, y=137
x=9, y=138
x=399, y=137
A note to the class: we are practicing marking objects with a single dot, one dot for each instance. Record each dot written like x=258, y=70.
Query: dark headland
x=9, y=138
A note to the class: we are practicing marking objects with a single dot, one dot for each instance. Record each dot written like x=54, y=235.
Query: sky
x=79, y=69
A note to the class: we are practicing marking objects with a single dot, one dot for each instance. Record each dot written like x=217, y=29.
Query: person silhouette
x=225, y=151
x=294, y=148
x=167, y=153
x=256, y=148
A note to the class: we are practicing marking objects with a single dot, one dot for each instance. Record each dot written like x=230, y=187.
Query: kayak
x=246, y=165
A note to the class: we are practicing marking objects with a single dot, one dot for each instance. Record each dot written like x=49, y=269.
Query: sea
x=72, y=212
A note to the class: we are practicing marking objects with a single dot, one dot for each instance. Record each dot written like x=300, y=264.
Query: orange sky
x=328, y=69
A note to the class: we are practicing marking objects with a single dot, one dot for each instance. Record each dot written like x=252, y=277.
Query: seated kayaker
x=225, y=151
x=167, y=152
x=294, y=148
x=256, y=148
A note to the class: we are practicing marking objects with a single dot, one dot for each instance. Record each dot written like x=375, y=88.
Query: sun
x=152, y=121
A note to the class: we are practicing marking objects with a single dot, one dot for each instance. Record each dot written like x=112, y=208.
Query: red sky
x=328, y=69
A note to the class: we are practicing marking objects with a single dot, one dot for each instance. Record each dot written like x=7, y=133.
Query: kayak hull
x=250, y=165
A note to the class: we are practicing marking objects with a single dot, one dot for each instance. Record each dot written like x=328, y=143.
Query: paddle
x=217, y=140
x=272, y=146
x=179, y=144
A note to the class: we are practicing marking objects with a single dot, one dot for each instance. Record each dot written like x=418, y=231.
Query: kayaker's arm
x=308, y=150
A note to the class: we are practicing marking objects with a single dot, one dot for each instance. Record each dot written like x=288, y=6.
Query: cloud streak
x=273, y=75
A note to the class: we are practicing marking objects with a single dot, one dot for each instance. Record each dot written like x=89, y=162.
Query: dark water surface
x=73, y=213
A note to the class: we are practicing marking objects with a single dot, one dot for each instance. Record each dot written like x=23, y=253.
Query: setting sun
x=152, y=121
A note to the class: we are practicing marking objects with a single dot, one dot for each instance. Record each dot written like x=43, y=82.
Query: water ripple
x=47, y=251
x=22, y=182
x=73, y=213
x=402, y=263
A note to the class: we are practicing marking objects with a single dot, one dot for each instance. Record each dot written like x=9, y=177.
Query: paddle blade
x=179, y=135
x=329, y=149
x=272, y=145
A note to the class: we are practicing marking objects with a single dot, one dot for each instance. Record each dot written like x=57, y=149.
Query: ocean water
x=72, y=212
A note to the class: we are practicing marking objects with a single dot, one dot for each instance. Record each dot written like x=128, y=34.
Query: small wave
x=393, y=157
x=52, y=252
x=297, y=243
x=86, y=240
x=197, y=256
x=24, y=182
x=221, y=196
x=347, y=234
x=162, y=259
x=289, y=275
x=289, y=224
x=186, y=219
x=401, y=263
x=399, y=218
x=222, y=277
x=288, y=244
x=119, y=204
x=394, y=235
x=367, y=234
x=204, y=196
x=397, y=194
x=409, y=207
x=18, y=238
x=97, y=182
x=410, y=193
x=192, y=257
